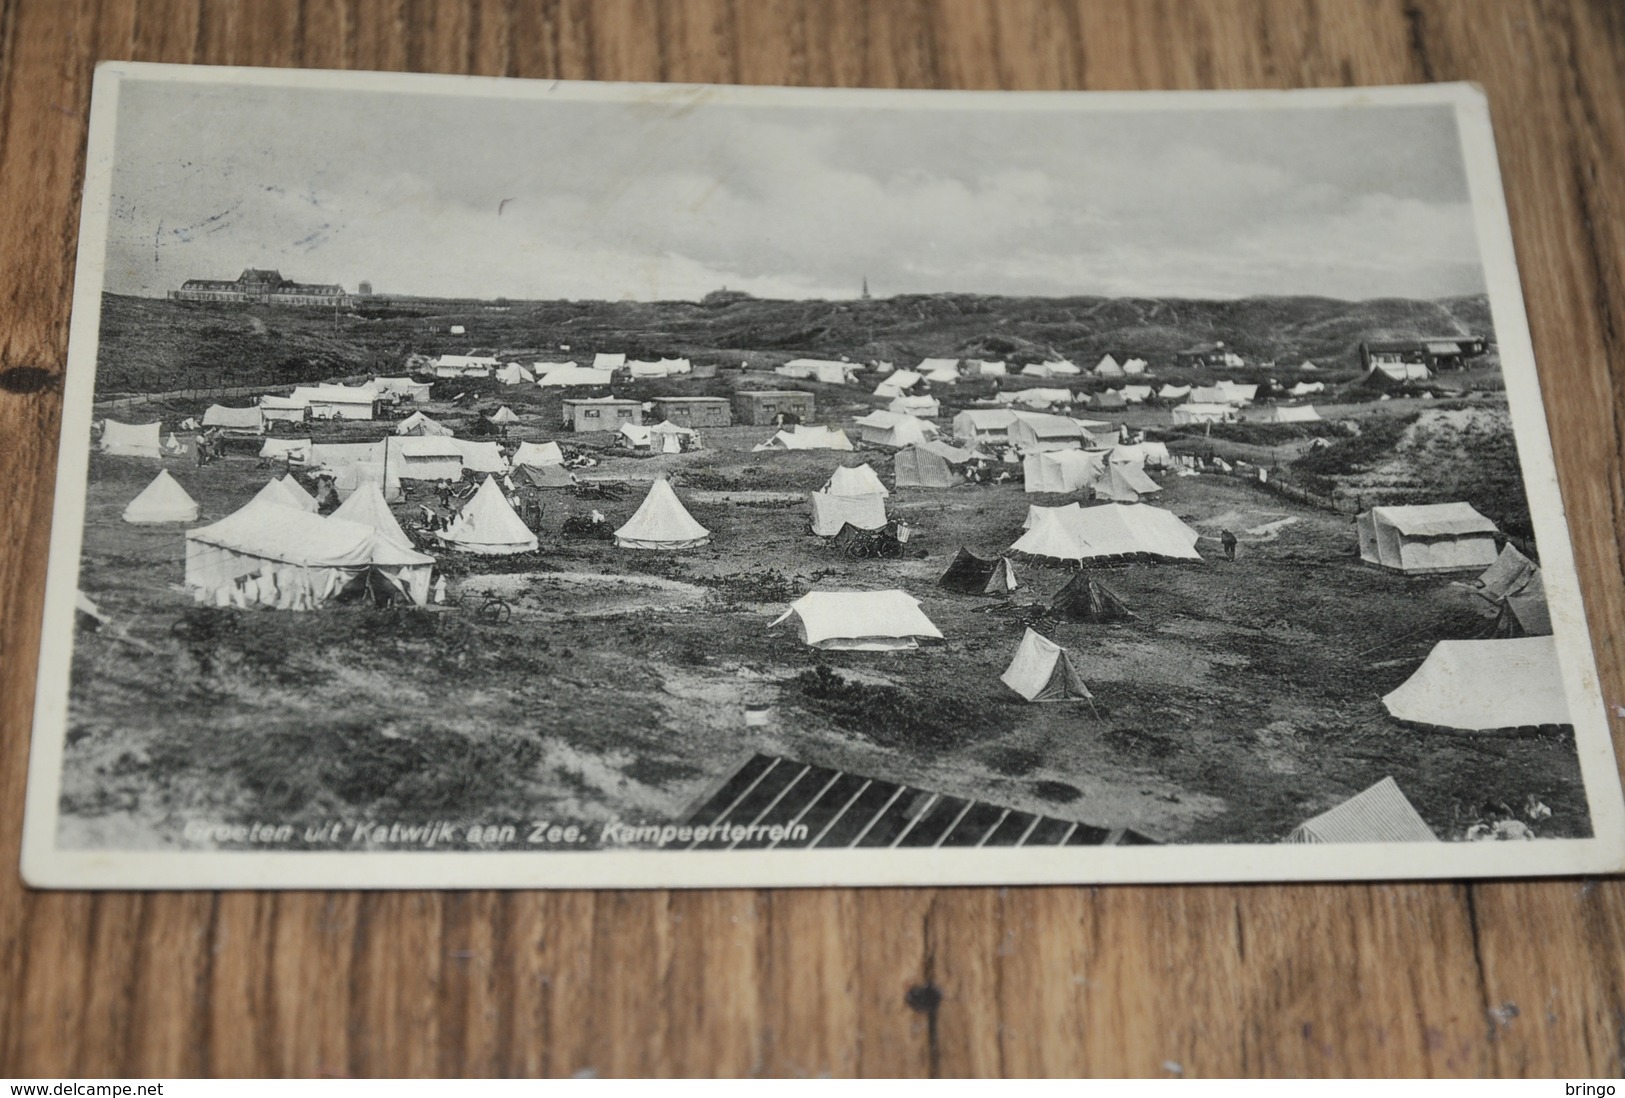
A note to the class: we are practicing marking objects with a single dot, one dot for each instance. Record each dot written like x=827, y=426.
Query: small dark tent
x=1109, y=398
x=1086, y=599
x=970, y=574
x=919, y=468
x=1523, y=611
x=372, y=587
x=545, y=476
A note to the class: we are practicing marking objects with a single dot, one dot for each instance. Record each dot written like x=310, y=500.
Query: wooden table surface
x=1446, y=979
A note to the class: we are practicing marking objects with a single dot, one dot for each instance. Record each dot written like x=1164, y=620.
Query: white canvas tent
x=419, y=424
x=513, y=374
x=1037, y=397
x=1112, y=530
x=872, y=621
x=975, y=425
x=482, y=457
x=269, y=554
x=401, y=388
x=1136, y=394
x=173, y=445
x=807, y=438
x=897, y=383
x=1033, y=431
x=1062, y=470
x=1135, y=366
x=1203, y=413
x=235, y=420
x=855, y=480
x=538, y=454
x=163, y=500
x=1420, y=538
x=604, y=360
x=1174, y=392
x=284, y=409
x=366, y=505
x=940, y=371
x=284, y=492
x=1380, y=814
x=426, y=457
x=295, y=451
x=1042, y=670
x=337, y=401
x=982, y=367
x=132, y=439
x=1108, y=367
x=926, y=407
x=822, y=370
x=1284, y=413
x=661, y=522
x=488, y=526
x=829, y=512
x=1485, y=686
x=917, y=467
x=570, y=376
x=1124, y=482
x=504, y=415
x=894, y=429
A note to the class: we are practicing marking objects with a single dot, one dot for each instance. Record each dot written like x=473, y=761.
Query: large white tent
x=926, y=407
x=990, y=425
x=537, y=454
x=807, y=438
x=606, y=360
x=894, y=429
x=1194, y=413
x=419, y=424
x=482, y=457
x=1112, y=530
x=1062, y=470
x=1033, y=431
x=295, y=451
x=661, y=522
x=426, y=457
x=570, y=376
x=1042, y=670
x=1287, y=413
x=132, y=439
x=270, y=554
x=163, y=500
x=897, y=383
x=1485, y=686
x=1124, y=482
x=366, y=505
x=235, y=420
x=823, y=370
x=1380, y=814
x=488, y=526
x=829, y=512
x=860, y=620
x=1434, y=537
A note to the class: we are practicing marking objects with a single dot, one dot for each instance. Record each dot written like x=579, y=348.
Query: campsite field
x=1243, y=698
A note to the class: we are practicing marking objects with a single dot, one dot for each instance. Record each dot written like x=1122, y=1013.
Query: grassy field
x=1244, y=697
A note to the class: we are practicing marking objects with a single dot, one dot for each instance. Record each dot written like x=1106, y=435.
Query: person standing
x=1228, y=540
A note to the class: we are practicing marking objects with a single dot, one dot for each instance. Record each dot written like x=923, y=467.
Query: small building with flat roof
x=600, y=414
x=763, y=407
x=694, y=411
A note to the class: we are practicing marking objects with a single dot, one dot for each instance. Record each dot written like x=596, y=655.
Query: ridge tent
x=1109, y=398
x=269, y=554
x=488, y=526
x=538, y=454
x=981, y=367
x=419, y=424
x=1307, y=365
x=336, y=401
x=1136, y=366
x=513, y=374
x=1137, y=394
x=1124, y=482
x=670, y=435
x=1038, y=398
x=677, y=365
x=855, y=480
x=1042, y=670
x=1281, y=413
x=132, y=439
x=1174, y=392
x=425, y=457
x=1147, y=455
x=1523, y=611
x=1035, y=513
x=162, y=500
x=1110, y=531
x=635, y=434
x=919, y=468
x=1485, y=686
x=1421, y=538
x=1062, y=470
x=284, y=409
x=401, y=388
x=929, y=365
x=366, y=506
x=819, y=369
x=926, y=407
x=482, y=457
x=463, y=365
x=1086, y=599
x=897, y=383
x=295, y=451
x=1108, y=367
x=984, y=425
x=604, y=360
x=869, y=621
x=895, y=429
x=279, y=493
x=1203, y=413
x=1305, y=388
x=1507, y=574
x=546, y=476
x=643, y=371
x=807, y=438
x=831, y=512
x=662, y=522
x=970, y=574
x=1380, y=814
x=1060, y=367
x=1038, y=431
x=297, y=493
x=235, y=420
x=569, y=375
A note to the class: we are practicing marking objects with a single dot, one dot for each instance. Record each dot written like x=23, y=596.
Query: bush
x=892, y=717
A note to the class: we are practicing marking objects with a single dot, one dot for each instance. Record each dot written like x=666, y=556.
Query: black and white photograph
x=519, y=484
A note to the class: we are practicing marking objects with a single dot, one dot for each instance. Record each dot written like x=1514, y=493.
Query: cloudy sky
x=444, y=195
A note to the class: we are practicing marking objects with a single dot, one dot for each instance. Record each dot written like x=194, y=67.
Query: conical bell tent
x=163, y=500
x=487, y=525
x=662, y=522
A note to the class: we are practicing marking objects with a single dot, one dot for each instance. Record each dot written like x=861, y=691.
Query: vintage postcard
x=473, y=482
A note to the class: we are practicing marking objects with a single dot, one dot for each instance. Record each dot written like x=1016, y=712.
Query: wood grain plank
x=1409, y=979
